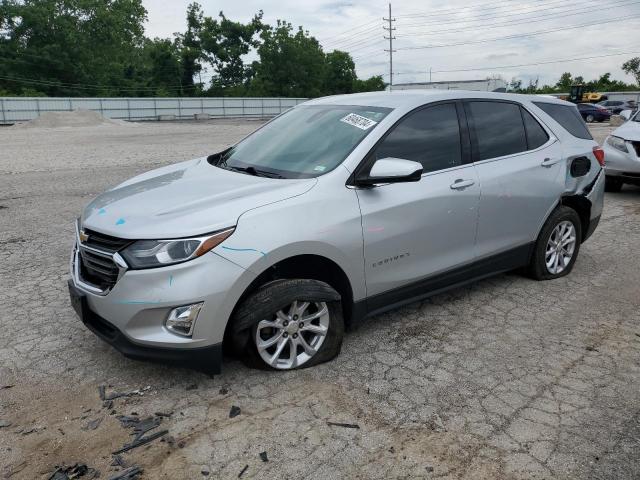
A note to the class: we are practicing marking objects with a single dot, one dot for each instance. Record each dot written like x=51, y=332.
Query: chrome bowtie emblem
x=83, y=236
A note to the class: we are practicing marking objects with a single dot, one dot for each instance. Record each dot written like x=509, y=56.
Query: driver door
x=414, y=231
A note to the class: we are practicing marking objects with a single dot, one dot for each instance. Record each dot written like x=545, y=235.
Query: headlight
x=617, y=143
x=158, y=253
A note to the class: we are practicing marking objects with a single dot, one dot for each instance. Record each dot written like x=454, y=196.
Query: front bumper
x=621, y=164
x=206, y=359
x=131, y=315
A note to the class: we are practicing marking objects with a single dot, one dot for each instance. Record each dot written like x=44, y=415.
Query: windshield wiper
x=255, y=172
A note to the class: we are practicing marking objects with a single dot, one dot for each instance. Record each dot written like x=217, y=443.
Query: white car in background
x=622, y=153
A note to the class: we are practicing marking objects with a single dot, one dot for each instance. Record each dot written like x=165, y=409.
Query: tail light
x=598, y=152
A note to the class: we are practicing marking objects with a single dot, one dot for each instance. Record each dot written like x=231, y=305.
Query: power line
x=486, y=6
x=348, y=32
x=541, y=18
x=497, y=67
x=521, y=35
x=91, y=87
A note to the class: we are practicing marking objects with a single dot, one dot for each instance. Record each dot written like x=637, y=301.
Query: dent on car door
x=521, y=170
x=417, y=229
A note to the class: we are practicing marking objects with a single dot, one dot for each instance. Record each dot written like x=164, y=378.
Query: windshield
x=305, y=142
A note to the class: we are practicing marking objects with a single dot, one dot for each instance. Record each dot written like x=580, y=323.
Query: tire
x=612, y=184
x=269, y=314
x=551, y=231
x=590, y=118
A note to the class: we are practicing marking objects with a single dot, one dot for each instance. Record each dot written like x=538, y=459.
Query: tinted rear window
x=568, y=117
x=499, y=129
x=536, y=135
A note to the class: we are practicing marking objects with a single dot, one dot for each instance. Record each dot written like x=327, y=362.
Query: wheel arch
x=582, y=206
x=308, y=266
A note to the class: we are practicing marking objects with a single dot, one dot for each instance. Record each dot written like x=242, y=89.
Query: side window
x=498, y=127
x=430, y=136
x=536, y=135
x=568, y=117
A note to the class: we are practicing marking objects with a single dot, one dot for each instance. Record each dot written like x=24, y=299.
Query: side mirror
x=626, y=114
x=391, y=170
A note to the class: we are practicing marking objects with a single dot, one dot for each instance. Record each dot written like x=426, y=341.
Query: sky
x=449, y=37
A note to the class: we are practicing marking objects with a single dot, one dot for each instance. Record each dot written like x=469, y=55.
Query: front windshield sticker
x=363, y=123
x=319, y=168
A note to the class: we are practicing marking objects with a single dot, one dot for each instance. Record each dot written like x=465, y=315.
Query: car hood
x=629, y=131
x=185, y=199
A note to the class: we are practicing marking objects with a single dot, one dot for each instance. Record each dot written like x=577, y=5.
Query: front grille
x=98, y=270
x=105, y=243
x=636, y=147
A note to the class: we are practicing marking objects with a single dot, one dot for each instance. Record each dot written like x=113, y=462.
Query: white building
x=485, y=85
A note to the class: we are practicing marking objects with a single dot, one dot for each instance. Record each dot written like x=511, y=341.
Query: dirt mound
x=75, y=119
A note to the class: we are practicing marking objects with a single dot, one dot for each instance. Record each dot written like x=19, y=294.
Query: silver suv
x=337, y=210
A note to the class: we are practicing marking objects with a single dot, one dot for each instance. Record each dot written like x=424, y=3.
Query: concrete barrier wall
x=21, y=109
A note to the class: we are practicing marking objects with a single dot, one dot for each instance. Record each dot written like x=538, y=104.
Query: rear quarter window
x=568, y=117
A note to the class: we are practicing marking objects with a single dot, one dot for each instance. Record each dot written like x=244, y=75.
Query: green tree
x=291, y=63
x=371, y=84
x=189, y=45
x=632, y=67
x=340, y=73
x=52, y=44
x=162, y=73
x=565, y=82
x=224, y=44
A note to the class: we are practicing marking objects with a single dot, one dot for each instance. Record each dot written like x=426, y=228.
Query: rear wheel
x=289, y=324
x=590, y=118
x=557, y=246
x=613, y=184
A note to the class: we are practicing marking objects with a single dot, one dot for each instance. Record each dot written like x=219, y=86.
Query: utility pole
x=391, y=38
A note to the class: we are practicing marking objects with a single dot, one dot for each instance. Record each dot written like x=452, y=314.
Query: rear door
x=415, y=230
x=521, y=171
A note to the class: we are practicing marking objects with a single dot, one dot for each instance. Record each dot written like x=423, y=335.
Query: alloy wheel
x=560, y=247
x=293, y=335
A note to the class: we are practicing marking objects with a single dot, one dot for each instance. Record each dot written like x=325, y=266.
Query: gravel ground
x=508, y=378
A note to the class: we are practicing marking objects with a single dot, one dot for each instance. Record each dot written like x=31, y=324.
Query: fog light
x=181, y=320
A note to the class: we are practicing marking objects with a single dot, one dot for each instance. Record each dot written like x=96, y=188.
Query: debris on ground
x=263, y=456
x=436, y=424
x=3, y=387
x=93, y=424
x=344, y=425
x=205, y=471
x=223, y=391
x=131, y=473
x=234, y=412
x=246, y=467
x=590, y=348
x=118, y=461
x=5, y=423
x=114, y=395
x=163, y=414
x=78, y=470
x=193, y=386
x=140, y=428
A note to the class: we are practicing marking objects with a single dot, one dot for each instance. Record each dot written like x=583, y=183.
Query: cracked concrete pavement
x=507, y=378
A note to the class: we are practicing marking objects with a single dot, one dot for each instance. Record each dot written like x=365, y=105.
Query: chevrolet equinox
x=339, y=209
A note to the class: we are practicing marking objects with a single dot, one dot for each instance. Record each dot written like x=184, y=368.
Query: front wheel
x=289, y=324
x=557, y=247
x=590, y=118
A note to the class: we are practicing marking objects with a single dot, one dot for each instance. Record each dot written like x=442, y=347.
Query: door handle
x=460, y=184
x=547, y=162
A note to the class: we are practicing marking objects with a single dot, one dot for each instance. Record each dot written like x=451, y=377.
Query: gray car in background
x=339, y=209
x=617, y=106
